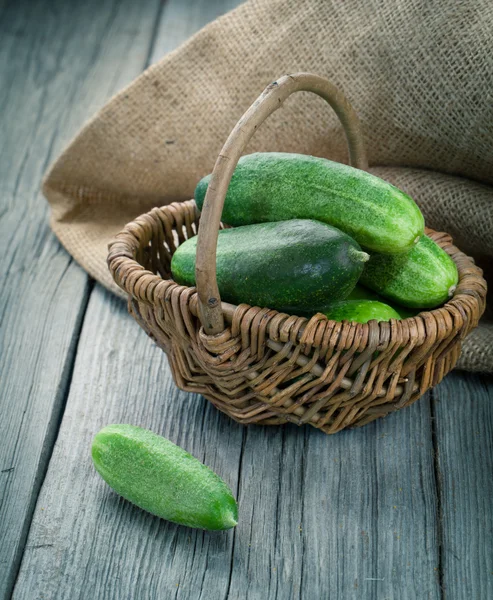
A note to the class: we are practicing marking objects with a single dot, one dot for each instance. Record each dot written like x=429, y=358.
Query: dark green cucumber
x=424, y=278
x=361, y=311
x=276, y=186
x=288, y=265
x=162, y=478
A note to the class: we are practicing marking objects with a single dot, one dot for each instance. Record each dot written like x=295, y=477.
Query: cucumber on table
x=289, y=265
x=163, y=479
x=424, y=278
x=360, y=311
x=277, y=186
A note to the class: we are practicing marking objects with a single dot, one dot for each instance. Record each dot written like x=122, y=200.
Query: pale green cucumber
x=361, y=311
x=163, y=479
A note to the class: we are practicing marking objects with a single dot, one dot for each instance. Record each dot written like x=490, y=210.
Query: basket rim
x=142, y=285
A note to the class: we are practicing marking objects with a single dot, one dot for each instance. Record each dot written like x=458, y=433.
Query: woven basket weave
x=261, y=366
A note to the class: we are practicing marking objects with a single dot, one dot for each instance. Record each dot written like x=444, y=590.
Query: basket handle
x=210, y=311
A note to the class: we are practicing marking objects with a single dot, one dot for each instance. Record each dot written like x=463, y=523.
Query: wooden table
x=401, y=509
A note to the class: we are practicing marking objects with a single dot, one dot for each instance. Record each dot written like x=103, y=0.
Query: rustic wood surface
x=463, y=424
x=399, y=509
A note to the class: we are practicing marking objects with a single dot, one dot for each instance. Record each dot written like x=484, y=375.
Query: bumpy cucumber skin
x=163, y=479
x=361, y=311
x=287, y=266
x=424, y=278
x=276, y=186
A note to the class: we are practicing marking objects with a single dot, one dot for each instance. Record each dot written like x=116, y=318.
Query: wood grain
x=59, y=61
x=181, y=19
x=463, y=410
x=344, y=516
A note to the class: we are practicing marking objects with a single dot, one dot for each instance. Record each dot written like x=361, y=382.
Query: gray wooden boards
x=180, y=19
x=59, y=61
x=464, y=437
x=348, y=516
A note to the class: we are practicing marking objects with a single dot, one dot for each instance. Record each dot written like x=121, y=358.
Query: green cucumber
x=424, y=278
x=288, y=265
x=361, y=311
x=362, y=293
x=163, y=479
x=277, y=186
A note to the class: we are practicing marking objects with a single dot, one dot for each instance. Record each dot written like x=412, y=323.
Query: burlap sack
x=419, y=73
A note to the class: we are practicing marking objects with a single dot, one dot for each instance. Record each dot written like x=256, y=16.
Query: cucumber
x=289, y=265
x=362, y=293
x=361, y=311
x=277, y=186
x=424, y=278
x=163, y=479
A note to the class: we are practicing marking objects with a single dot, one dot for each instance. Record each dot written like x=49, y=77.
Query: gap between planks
x=438, y=484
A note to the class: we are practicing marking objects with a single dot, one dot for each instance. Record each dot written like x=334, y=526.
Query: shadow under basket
x=270, y=368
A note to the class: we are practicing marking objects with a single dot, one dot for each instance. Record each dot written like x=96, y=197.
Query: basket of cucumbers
x=296, y=289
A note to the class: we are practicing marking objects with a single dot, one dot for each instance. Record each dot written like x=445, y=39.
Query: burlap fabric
x=419, y=74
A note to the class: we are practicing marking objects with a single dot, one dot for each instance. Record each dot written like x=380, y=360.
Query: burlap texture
x=419, y=74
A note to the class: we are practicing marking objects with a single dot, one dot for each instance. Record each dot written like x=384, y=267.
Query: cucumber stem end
x=358, y=255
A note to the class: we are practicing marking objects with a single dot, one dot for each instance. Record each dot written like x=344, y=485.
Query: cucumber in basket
x=162, y=478
x=360, y=311
x=362, y=293
x=276, y=186
x=288, y=265
x=424, y=278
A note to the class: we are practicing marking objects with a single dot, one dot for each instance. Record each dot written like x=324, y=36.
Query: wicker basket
x=261, y=366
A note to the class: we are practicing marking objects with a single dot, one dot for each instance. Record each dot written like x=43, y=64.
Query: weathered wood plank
x=463, y=410
x=182, y=19
x=59, y=61
x=346, y=516
x=85, y=542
